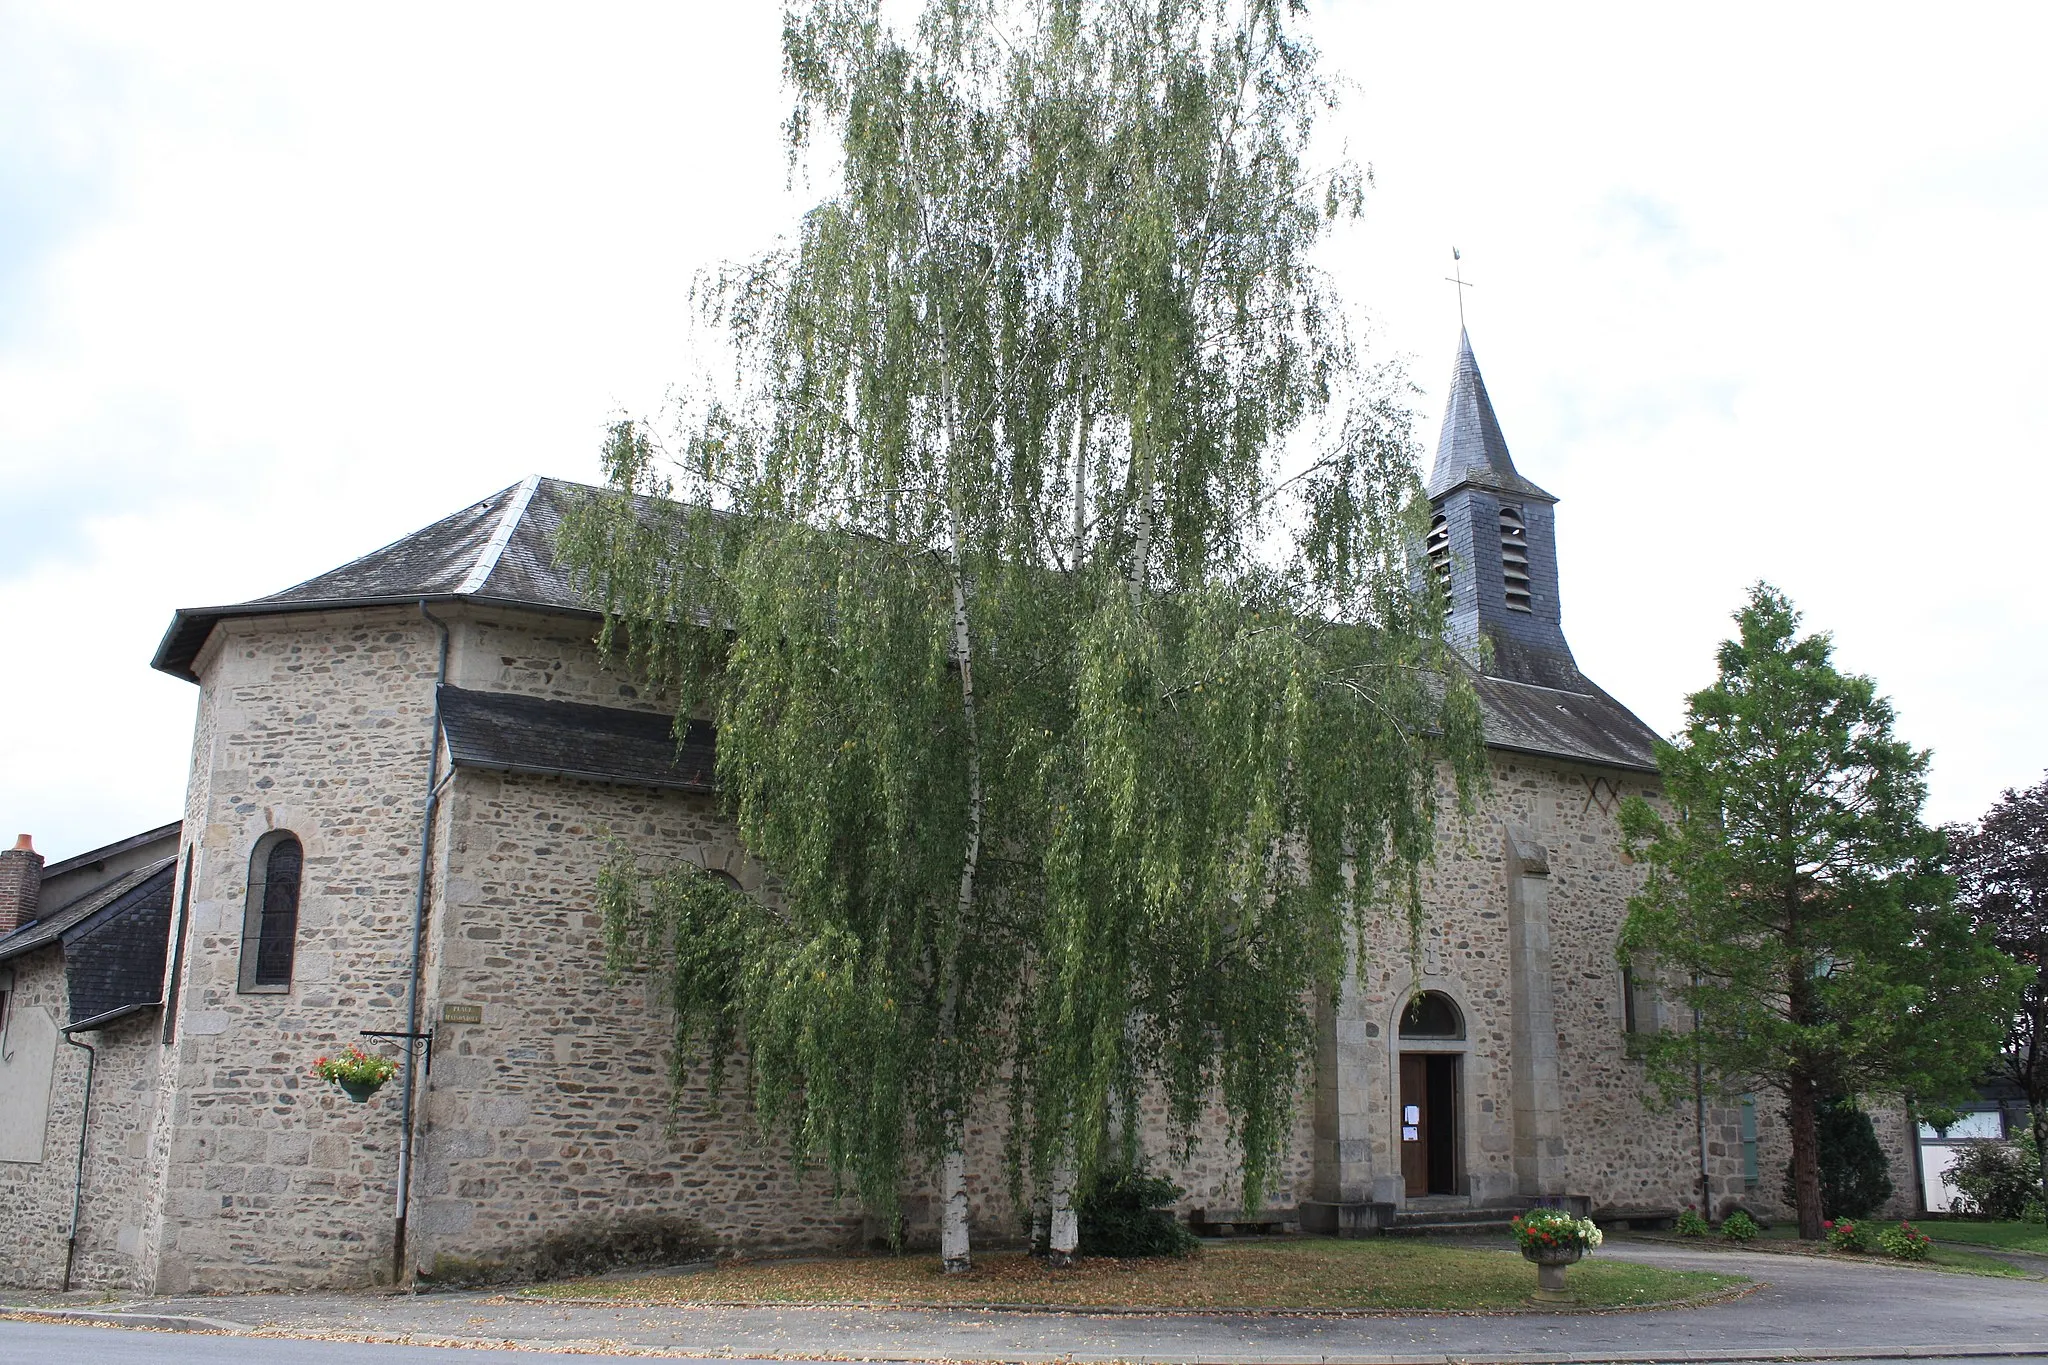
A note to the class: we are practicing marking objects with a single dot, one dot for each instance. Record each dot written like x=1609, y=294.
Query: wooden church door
x=1429, y=1125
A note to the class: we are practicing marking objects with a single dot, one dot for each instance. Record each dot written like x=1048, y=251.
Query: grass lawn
x=2006, y=1236
x=1785, y=1237
x=1306, y=1273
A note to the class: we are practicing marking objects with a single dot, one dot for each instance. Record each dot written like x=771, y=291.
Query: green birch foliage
x=1796, y=898
x=1081, y=736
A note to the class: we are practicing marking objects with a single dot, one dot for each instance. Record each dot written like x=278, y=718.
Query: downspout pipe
x=409, y=1097
x=92, y=1058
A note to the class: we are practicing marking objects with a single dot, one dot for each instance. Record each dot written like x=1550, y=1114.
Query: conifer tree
x=1044, y=572
x=1796, y=893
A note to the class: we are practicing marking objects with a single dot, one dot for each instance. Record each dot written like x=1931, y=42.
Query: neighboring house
x=1999, y=1113
x=407, y=772
x=81, y=981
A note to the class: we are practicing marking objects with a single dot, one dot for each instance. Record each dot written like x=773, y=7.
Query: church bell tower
x=1493, y=544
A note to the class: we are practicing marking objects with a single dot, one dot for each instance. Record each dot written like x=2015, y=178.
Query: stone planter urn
x=360, y=1092
x=1550, y=1263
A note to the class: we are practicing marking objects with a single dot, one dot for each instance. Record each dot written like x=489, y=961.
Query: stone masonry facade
x=219, y=1163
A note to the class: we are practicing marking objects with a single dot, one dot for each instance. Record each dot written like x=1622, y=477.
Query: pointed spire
x=1470, y=448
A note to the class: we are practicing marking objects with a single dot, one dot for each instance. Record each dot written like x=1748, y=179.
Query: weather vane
x=1457, y=277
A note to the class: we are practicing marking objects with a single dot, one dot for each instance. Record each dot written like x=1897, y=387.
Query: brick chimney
x=21, y=884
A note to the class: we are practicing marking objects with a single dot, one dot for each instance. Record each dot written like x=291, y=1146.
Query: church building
x=405, y=775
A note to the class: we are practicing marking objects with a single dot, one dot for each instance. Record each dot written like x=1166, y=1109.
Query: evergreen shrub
x=1855, y=1177
x=1126, y=1214
x=1739, y=1227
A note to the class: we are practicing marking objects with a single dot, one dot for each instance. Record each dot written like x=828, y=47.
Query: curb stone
x=1089, y=1310
x=166, y=1322
x=153, y=1322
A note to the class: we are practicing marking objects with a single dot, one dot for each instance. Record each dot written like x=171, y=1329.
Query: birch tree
x=1044, y=571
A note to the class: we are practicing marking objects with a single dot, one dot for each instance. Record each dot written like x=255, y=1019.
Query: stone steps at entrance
x=1468, y=1227
x=1428, y=1218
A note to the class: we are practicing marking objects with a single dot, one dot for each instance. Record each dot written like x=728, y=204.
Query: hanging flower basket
x=359, y=1074
x=1552, y=1239
x=359, y=1091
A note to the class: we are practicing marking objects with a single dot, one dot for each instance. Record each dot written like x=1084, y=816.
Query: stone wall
x=317, y=724
x=114, y=1212
x=35, y=1197
x=552, y=1114
x=1616, y=1143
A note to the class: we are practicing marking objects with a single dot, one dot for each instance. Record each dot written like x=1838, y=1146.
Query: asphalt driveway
x=1805, y=1307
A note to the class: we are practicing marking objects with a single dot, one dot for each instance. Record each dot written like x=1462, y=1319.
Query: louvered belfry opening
x=1438, y=550
x=1514, y=558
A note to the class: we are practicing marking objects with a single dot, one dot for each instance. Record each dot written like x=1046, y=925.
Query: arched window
x=1514, y=558
x=1432, y=1015
x=270, y=918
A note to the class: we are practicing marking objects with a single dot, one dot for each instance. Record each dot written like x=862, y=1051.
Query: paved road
x=29, y=1343
x=1806, y=1306
x=38, y=1344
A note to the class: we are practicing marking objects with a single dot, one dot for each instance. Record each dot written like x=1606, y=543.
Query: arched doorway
x=1429, y=1084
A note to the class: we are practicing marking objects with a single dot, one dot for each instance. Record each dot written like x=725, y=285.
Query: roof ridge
x=494, y=548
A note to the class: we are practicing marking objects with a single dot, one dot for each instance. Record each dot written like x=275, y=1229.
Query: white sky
x=1757, y=291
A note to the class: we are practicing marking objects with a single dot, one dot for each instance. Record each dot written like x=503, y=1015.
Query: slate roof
x=1470, y=448
x=113, y=941
x=501, y=550
x=1582, y=724
x=497, y=550
x=503, y=732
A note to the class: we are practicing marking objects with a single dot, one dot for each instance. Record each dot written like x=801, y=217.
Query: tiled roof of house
x=501, y=550
x=505, y=732
x=113, y=941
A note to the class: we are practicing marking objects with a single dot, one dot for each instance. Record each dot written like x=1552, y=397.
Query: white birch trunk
x=1065, y=1234
x=953, y=1248
x=953, y=1239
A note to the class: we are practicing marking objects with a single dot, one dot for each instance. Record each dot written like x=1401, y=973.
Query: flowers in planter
x=1541, y=1230
x=1844, y=1235
x=355, y=1070
x=1906, y=1242
x=1690, y=1223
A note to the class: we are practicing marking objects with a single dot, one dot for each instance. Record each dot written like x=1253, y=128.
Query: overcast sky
x=1758, y=294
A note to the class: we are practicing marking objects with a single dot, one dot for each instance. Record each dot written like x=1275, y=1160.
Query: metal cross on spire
x=1457, y=277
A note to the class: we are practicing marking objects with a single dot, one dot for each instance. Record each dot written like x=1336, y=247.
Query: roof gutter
x=169, y=658
x=100, y=1021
